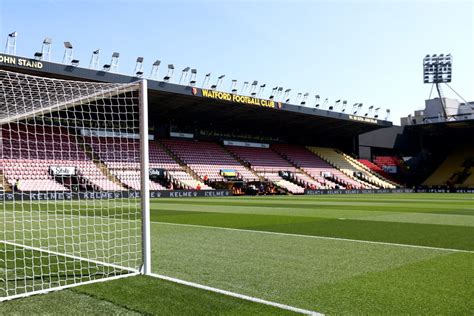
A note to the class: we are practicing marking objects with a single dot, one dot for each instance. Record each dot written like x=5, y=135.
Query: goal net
x=73, y=183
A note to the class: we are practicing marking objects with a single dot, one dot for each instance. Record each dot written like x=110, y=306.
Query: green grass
x=236, y=244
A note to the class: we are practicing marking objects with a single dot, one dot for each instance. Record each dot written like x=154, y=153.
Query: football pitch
x=339, y=254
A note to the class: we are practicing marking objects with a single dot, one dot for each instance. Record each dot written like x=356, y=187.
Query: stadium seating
x=207, y=159
x=183, y=179
x=122, y=158
x=316, y=167
x=132, y=179
x=377, y=169
x=267, y=164
x=282, y=183
x=350, y=166
x=262, y=159
x=387, y=161
x=454, y=164
x=29, y=151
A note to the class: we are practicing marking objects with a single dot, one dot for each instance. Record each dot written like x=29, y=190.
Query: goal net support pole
x=145, y=175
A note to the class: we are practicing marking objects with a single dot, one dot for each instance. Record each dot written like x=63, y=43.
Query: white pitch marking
x=6, y=242
x=237, y=295
x=318, y=237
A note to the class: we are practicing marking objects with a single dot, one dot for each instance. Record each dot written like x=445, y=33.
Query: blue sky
x=360, y=51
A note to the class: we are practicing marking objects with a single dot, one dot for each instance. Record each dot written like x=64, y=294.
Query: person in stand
x=198, y=187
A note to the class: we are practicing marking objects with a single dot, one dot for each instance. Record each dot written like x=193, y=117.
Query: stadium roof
x=464, y=127
x=215, y=108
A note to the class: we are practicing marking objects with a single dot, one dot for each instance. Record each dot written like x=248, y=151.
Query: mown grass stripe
x=316, y=237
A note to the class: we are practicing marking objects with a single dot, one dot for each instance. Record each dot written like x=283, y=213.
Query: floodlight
x=285, y=96
x=219, y=80
x=305, y=96
x=298, y=96
x=10, y=46
x=316, y=104
x=154, y=69
x=233, y=86
x=184, y=74
x=244, y=87
x=113, y=62
x=94, y=61
x=139, y=67
x=68, y=56
x=206, y=80
x=437, y=68
x=169, y=75
x=272, y=95
x=192, y=78
x=45, y=50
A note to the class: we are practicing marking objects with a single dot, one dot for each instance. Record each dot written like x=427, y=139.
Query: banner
x=219, y=95
x=182, y=135
x=106, y=133
x=62, y=171
x=365, y=191
x=390, y=169
x=157, y=172
x=104, y=195
x=228, y=173
x=245, y=144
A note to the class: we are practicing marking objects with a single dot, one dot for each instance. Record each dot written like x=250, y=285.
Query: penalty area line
x=236, y=295
x=317, y=237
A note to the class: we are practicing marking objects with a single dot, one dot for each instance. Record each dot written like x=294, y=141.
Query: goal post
x=145, y=180
x=74, y=183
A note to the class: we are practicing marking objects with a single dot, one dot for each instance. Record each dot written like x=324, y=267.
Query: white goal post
x=74, y=183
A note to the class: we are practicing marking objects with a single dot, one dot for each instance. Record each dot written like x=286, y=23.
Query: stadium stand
x=282, y=183
x=350, y=167
x=122, y=159
x=267, y=164
x=207, y=159
x=315, y=167
x=387, y=161
x=377, y=169
x=29, y=152
x=183, y=179
x=455, y=170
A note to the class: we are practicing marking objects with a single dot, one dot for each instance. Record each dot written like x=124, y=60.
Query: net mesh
x=67, y=217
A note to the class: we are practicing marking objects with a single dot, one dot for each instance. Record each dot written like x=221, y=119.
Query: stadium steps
x=334, y=158
x=377, y=169
x=359, y=165
x=3, y=183
x=298, y=168
x=182, y=164
x=243, y=163
x=96, y=160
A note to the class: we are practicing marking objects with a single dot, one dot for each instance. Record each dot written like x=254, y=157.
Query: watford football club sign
x=219, y=95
